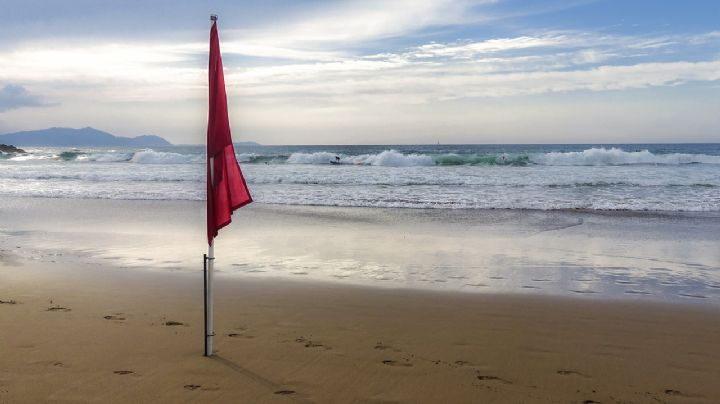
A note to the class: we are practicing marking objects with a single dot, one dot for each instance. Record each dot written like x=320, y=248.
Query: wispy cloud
x=548, y=62
x=500, y=67
x=351, y=22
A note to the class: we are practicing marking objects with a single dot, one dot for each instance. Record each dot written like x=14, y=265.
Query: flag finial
x=213, y=17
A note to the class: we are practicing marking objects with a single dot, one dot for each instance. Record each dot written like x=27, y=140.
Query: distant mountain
x=79, y=137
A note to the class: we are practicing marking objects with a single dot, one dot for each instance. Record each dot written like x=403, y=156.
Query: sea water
x=633, y=177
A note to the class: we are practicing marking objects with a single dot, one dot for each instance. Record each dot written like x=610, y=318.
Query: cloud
x=13, y=96
x=352, y=21
x=498, y=67
x=385, y=82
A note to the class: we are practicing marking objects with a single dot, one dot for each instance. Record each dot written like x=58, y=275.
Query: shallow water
x=668, y=257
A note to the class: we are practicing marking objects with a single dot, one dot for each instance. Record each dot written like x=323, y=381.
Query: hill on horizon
x=79, y=137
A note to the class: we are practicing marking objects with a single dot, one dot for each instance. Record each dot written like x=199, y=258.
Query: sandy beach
x=83, y=335
x=95, y=313
x=377, y=202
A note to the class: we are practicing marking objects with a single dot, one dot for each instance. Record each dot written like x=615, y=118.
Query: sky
x=369, y=71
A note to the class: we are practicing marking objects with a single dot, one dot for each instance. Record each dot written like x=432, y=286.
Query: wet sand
x=84, y=334
x=101, y=301
x=606, y=255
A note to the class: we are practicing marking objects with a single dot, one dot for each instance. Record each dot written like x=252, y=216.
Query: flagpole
x=209, y=264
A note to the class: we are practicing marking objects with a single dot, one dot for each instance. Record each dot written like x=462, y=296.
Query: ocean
x=632, y=177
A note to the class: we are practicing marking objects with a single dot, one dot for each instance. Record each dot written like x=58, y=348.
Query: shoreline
x=588, y=255
x=477, y=211
x=87, y=334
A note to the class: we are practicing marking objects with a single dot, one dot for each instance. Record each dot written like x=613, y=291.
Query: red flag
x=226, y=188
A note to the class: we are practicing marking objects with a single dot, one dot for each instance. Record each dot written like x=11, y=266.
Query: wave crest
x=387, y=158
x=618, y=157
x=596, y=156
x=153, y=157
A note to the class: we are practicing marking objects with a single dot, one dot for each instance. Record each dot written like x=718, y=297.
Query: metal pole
x=205, y=306
x=209, y=333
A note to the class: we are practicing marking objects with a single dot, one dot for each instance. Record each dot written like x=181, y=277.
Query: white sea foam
x=391, y=158
x=589, y=157
x=27, y=157
x=616, y=157
x=387, y=158
x=105, y=157
x=154, y=157
x=311, y=158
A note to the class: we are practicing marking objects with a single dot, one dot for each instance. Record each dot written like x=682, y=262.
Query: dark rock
x=6, y=148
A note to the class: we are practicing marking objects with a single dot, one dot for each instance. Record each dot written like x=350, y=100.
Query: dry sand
x=84, y=334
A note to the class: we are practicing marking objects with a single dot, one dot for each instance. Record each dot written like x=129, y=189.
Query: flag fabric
x=226, y=188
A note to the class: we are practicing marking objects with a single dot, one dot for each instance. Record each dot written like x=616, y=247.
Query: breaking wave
x=590, y=157
x=617, y=157
x=147, y=156
x=596, y=156
x=629, y=177
x=387, y=158
x=153, y=157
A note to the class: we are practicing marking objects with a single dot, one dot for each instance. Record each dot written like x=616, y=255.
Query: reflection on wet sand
x=584, y=254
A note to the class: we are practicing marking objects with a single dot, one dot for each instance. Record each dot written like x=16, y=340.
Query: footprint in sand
x=569, y=373
x=310, y=343
x=672, y=392
x=693, y=295
x=8, y=302
x=172, y=323
x=191, y=386
x=637, y=292
x=584, y=292
x=390, y=362
x=382, y=347
x=493, y=378
x=115, y=317
x=239, y=335
x=58, y=308
x=123, y=372
x=468, y=364
x=284, y=392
